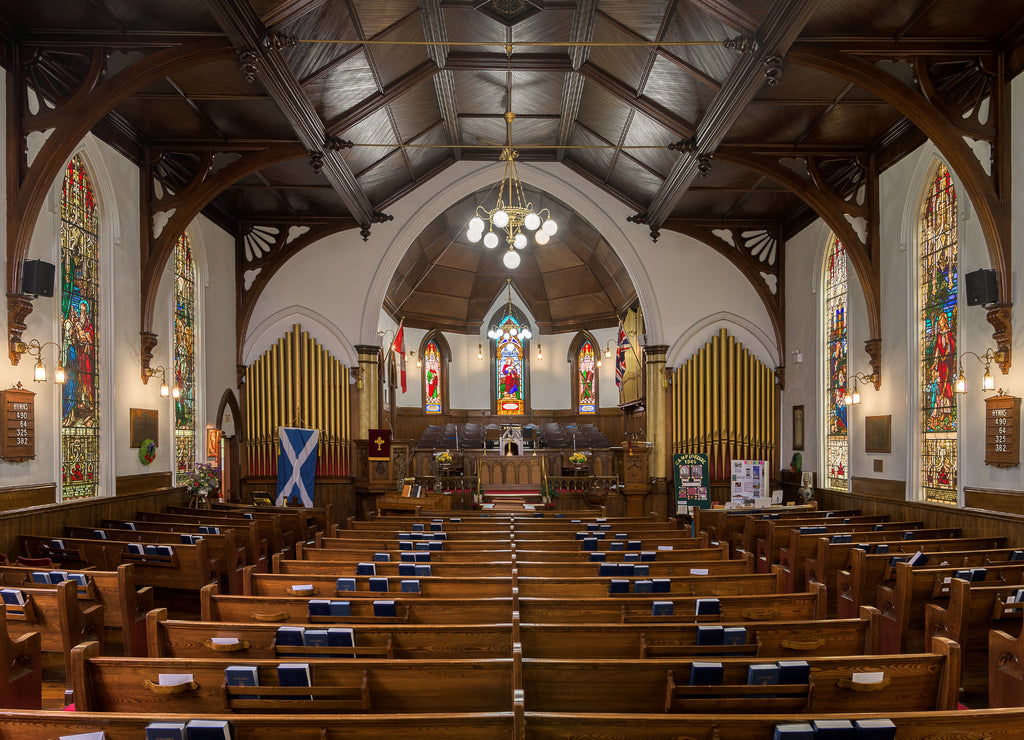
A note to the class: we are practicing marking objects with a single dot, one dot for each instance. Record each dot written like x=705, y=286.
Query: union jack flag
x=620, y=356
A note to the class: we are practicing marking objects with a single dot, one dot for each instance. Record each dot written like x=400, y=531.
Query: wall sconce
x=540, y=352
x=35, y=349
x=419, y=362
x=987, y=381
x=852, y=394
x=359, y=378
x=480, y=351
x=607, y=350
x=161, y=372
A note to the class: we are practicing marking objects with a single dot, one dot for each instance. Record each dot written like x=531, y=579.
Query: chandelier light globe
x=491, y=240
x=532, y=221
x=511, y=259
x=499, y=218
x=476, y=224
x=473, y=236
x=514, y=332
x=525, y=333
x=520, y=241
x=550, y=227
x=541, y=237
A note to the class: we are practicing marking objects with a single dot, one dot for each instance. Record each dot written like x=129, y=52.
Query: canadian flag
x=399, y=348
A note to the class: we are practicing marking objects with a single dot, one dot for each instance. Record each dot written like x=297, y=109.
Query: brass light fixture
x=852, y=393
x=161, y=372
x=988, y=383
x=35, y=349
x=496, y=332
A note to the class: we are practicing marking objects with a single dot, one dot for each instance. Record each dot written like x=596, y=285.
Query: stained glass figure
x=79, y=274
x=509, y=368
x=586, y=374
x=432, y=379
x=184, y=356
x=837, y=446
x=938, y=330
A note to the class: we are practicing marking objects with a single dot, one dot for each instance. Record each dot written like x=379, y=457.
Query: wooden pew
x=793, y=555
x=124, y=605
x=282, y=533
x=295, y=609
x=789, y=640
x=617, y=556
x=362, y=554
x=902, y=604
x=365, y=686
x=928, y=681
x=768, y=548
x=21, y=668
x=1005, y=674
x=189, y=567
x=455, y=587
x=225, y=548
x=392, y=544
x=637, y=609
x=257, y=546
x=598, y=586
x=391, y=569
x=171, y=638
x=58, y=617
x=858, y=583
x=663, y=569
x=309, y=519
x=720, y=524
x=762, y=536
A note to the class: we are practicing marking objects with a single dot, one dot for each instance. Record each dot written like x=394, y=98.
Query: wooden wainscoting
x=143, y=482
x=22, y=497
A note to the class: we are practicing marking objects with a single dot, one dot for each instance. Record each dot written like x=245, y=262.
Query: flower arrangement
x=203, y=476
x=443, y=457
x=147, y=451
x=577, y=458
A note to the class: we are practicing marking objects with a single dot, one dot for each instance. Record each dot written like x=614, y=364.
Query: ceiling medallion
x=509, y=12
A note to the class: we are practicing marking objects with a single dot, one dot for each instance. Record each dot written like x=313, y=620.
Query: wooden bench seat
x=656, y=569
x=598, y=586
x=171, y=638
x=392, y=543
x=764, y=537
x=308, y=519
x=362, y=554
x=720, y=524
x=21, y=667
x=325, y=586
x=257, y=547
x=280, y=533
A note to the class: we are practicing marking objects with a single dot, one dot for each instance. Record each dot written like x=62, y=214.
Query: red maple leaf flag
x=399, y=348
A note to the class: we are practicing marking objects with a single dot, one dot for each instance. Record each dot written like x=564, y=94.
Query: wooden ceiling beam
x=435, y=32
x=782, y=24
x=374, y=103
x=642, y=105
x=470, y=61
x=572, y=84
x=933, y=46
x=728, y=13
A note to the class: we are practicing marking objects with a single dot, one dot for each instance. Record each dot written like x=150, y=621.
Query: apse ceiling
x=739, y=117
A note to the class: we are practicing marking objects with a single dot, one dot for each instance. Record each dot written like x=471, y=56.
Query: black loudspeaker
x=981, y=287
x=37, y=278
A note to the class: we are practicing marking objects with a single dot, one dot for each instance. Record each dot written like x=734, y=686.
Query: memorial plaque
x=18, y=439
x=1002, y=431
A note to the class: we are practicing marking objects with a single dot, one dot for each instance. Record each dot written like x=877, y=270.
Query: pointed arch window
x=583, y=359
x=939, y=319
x=510, y=336
x=80, y=340
x=837, y=444
x=436, y=355
x=184, y=356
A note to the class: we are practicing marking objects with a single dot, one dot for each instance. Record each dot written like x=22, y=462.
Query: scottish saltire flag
x=620, y=356
x=296, y=465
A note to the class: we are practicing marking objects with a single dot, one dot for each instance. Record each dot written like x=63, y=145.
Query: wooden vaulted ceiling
x=736, y=121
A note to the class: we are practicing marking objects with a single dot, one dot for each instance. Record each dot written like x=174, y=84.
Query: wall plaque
x=18, y=418
x=1002, y=431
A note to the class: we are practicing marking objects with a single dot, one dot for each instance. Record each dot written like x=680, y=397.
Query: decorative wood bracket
x=148, y=342
x=19, y=306
x=874, y=349
x=1001, y=318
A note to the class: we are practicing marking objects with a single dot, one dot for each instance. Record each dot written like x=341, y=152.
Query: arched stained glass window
x=432, y=387
x=509, y=367
x=79, y=276
x=837, y=445
x=184, y=356
x=586, y=379
x=939, y=282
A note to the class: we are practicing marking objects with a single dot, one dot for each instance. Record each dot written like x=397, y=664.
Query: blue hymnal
x=618, y=586
x=408, y=557
x=99, y=534
x=582, y=535
x=625, y=569
x=762, y=674
x=662, y=609
x=13, y=596
x=706, y=674
x=978, y=574
x=734, y=636
x=634, y=545
x=133, y=547
x=918, y=558
x=642, y=586
x=288, y=635
x=417, y=527
x=292, y=674
x=165, y=550
x=575, y=521
x=441, y=536
x=641, y=570
x=422, y=557
x=40, y=576
x=839, y=539
x=456, y=519
x=190, y=539
x=382, y=557
x=59, y=576
x=631, y=557
x=875, y=729
x=346, y=584
x=711, y=635
x=608, y=569
x=423, y=569
x=165, y=731
x=341, y=609
x=151, y=550
x=131, y=525
x=242, y=675
x=661, y=585
x=794, y=731
x=597, y=557
x=1016, y=555
x=341, y=637
x=616, y=546
x=319, y=608
x=908, y=535
x=379, y=584
x=406, y=569
x=707, y=606
x=599, y=535
x=404, y=545
x=384, y=609
x=834, y=729
x=435, y=526
x=435, y=545
x=314, y=638
x=404, y=536
x=794, y=672
x=648, y=555
x=878, y=527
x=590, y=543
x=882, y=547
x=622, y=535
x=208, y=729
x=410, y=587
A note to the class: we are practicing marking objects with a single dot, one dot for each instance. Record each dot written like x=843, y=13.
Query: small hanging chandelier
x=513, y=212
x=499, y=333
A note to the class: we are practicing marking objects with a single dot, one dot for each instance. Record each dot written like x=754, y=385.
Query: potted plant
x=203, y=479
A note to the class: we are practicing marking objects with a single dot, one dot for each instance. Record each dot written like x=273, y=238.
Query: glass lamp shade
x=164, y=390
x=856, y=396
x=520, y=241
x=848, y=400
x=491, y=240
x=499, y=218
x=540, y=352
x=987, y=382
x=176, y=392
x=473, y=236
x=39, y=374
x=532, y=221
x=480, y=350
x=525, y=333
x=541, y=238
x=511, y=259
x=550, y=227
x=476, y=224
x=960, y=386
x=58, y=375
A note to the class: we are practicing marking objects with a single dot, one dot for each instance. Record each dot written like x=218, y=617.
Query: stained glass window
x=837, y=446
x=586, y=379
x=432, y=379
x=79, y=276
x=184, y=356
x=509, y=368
x=938, y=331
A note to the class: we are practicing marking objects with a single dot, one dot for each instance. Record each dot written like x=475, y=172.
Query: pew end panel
x=22, y=668
x=1005, y=672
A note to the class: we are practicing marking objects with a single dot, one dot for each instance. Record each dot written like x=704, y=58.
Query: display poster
x=749, y=481
x=691, y=475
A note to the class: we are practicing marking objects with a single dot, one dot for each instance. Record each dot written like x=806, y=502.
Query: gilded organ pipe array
x=297, y=383
x=723, y=404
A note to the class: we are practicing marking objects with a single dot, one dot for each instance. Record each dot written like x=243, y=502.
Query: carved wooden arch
x=71, y=122
x=572, y=357
x=279, y=253
x=437, y=337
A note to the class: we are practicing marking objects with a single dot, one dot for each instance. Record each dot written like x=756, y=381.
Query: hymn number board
x=18, y=437
x=1002, y=431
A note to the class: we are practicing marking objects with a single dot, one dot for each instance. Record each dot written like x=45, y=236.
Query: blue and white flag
x=296, y=465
